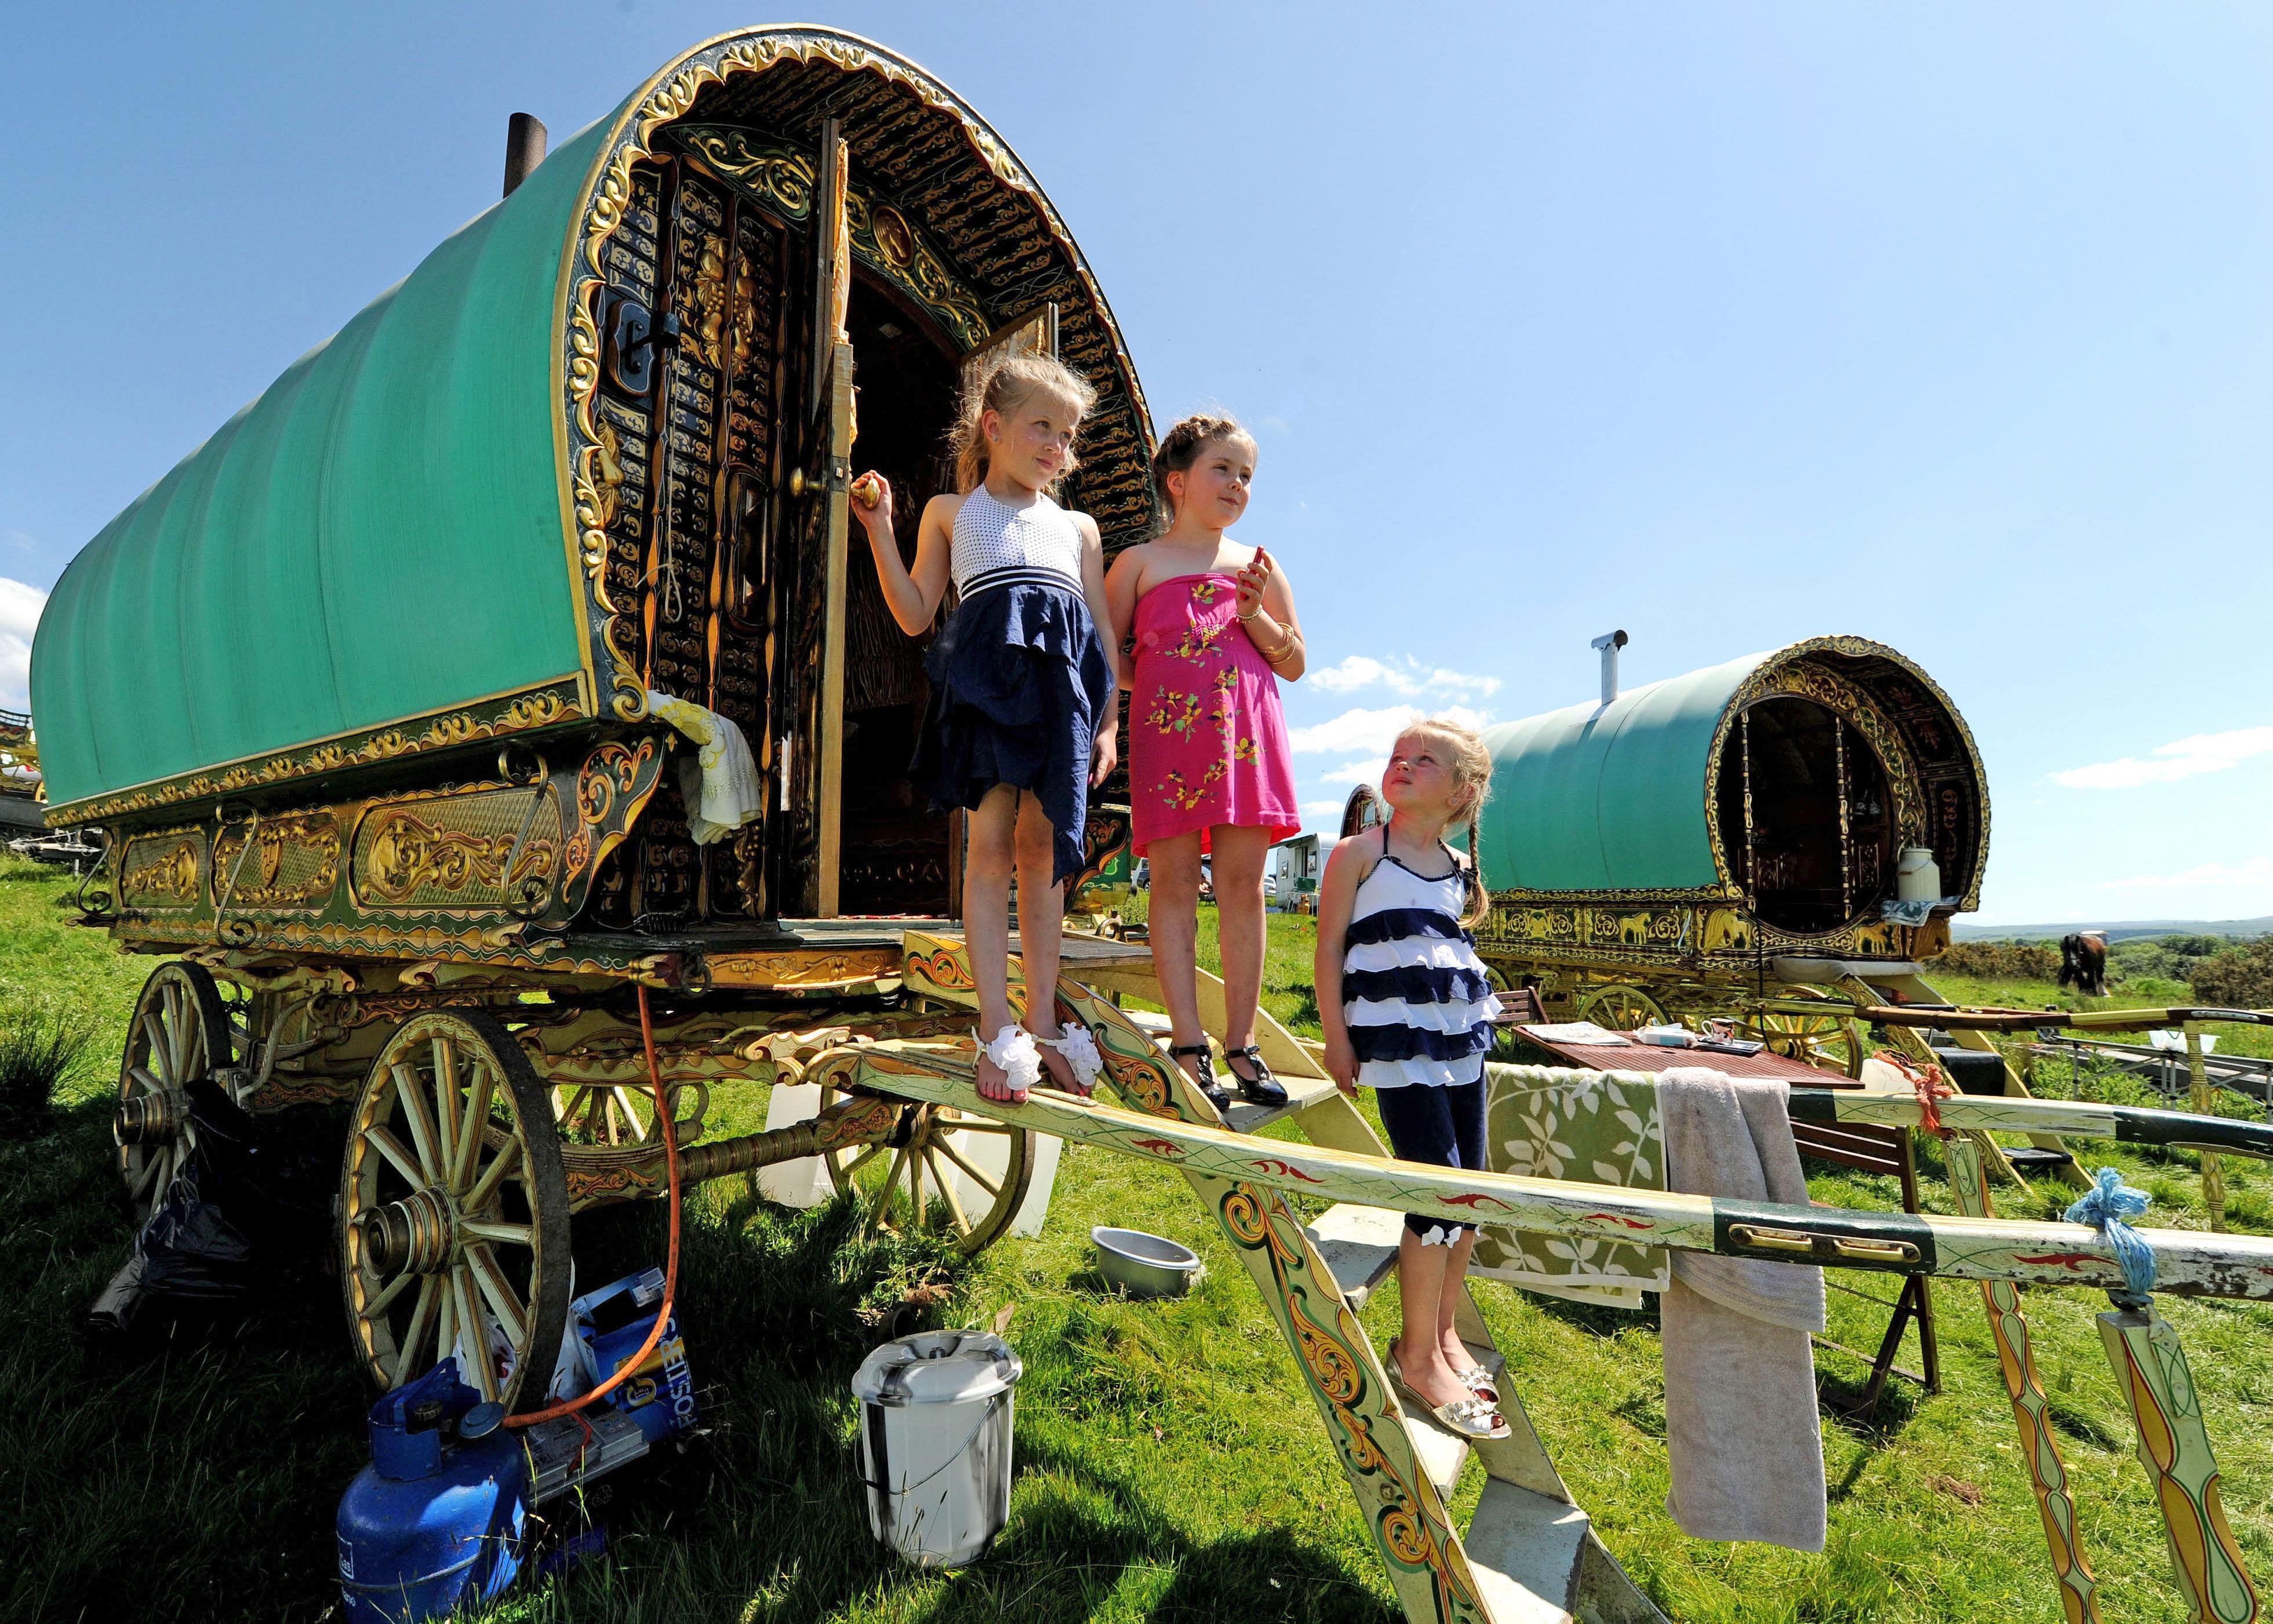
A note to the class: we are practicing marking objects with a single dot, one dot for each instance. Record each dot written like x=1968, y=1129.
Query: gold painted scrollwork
x=408, y=855
x=294, y=862
x=160, y=871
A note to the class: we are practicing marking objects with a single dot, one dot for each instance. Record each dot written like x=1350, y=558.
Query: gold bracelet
x=1279, y=652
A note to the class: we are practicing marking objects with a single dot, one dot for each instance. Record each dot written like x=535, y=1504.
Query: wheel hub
x=155, y=1117
x=418, y=1233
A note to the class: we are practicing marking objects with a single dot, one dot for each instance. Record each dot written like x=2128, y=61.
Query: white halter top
x=996, y=545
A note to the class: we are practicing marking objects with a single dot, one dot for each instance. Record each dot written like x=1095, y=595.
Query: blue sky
x=1732, y=324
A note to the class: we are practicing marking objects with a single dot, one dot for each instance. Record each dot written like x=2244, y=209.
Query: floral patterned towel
x=1597, y=1127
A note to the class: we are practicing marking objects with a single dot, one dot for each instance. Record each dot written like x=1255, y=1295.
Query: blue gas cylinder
x=437, y=1517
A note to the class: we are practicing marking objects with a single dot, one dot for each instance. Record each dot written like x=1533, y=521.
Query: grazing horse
x=2084, y=962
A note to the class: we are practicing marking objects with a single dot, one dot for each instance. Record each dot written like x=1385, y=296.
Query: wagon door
x=693, y=444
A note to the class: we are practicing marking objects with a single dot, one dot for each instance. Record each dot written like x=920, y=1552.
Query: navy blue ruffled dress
x=1020, y=676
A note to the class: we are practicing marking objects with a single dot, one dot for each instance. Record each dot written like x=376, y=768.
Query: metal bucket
x=1145, y=1265
x=935, y=1443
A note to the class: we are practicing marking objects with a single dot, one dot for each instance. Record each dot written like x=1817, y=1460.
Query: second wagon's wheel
x=179, y=1032
x=1620, y=1008
x=945, y=1170
x=454, y=1210
x=1829, y=1041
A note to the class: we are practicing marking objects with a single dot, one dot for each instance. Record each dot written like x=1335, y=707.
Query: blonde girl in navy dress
x=1409, y=1014
x=1022, y=722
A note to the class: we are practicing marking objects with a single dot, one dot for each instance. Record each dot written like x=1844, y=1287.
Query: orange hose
x=671, y=1264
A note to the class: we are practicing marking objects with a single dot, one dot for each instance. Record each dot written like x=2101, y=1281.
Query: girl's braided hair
x=1180, y=447
x=1006, y=386
x=1472, y=770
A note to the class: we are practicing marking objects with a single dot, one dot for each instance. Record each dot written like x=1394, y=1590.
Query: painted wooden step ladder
x=1529, y=1554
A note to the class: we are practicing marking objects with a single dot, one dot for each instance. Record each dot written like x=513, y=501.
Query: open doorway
x=1815, y=852
x=899, y=856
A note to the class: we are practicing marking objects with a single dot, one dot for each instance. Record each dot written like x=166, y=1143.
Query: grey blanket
x=1740, y=1416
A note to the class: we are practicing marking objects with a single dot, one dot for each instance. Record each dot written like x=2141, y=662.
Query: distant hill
x=2115, y=930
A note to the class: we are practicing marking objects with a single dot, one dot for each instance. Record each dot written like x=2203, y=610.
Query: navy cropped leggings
x=1440, y=1124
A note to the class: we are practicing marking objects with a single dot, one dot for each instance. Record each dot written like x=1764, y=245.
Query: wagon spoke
x=145, y=1180
x=446, y=1106
x=915, y=1187
x=392, y=1149
x=141, y=1075
x=485, y=1187
x=422, y=1123
x=446, y=1334
x=567, y=1106
x=394, y=1288
x=478, y=1095
x=980, y=1124
x=168, y=1019
x=476, y=1331
x=861, y=1161
x=421, y=1315
x=630, y=1117
x=882, y=1204
x=487, y=1229
x=947, y=1192
x=504, y=1302
x=976, y=1177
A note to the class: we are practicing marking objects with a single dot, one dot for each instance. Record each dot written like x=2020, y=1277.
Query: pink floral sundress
x=1207, y=742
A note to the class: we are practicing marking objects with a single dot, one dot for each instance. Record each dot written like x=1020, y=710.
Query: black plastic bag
x=236, y=1216
x=190, y=1263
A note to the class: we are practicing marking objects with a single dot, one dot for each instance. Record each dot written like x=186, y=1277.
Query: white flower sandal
x=1080, y=1051
x=1472, y=1418
x=1013, y=1052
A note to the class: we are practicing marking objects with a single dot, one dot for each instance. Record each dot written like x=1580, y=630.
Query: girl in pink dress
x=1203, y=628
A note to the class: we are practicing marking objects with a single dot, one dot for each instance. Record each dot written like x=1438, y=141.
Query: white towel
x=1740, y=1410
x=720, y=779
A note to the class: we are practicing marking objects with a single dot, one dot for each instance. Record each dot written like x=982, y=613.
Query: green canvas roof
x=1611, y=796
x=379, y=535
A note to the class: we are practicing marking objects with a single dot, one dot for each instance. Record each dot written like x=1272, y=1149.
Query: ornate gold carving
x=610, y=773
x=549, y=706
x=161, y=870
x=671, y=95
x=451, y=852
x=295, y=863
x=807, y=967
x=882, y=238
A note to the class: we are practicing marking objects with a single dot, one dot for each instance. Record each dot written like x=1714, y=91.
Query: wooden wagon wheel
x=1829, y=1041
x=454, y=1210
x=605, y=1114
x=1621, y=1008
x=910, y=1176
x=180, y=1031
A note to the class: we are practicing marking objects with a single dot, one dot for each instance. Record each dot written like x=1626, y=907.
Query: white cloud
x=1365, y=770
x=1323, y=808
x=1371, y=732
x=20, y=616
x=1408, y=677
x=2204, y=752
x=2256, y=871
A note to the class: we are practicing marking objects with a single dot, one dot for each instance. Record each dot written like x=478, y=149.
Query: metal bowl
x=1145, y=1265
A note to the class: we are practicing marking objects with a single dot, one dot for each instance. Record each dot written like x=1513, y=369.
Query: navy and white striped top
x=997, y=545
x=1414, y=993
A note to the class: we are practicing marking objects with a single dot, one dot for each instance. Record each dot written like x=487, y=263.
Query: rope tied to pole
x=2108, y=1207
x=1931, y=1087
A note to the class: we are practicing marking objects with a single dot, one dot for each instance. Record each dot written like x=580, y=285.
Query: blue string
x=2108, y=1207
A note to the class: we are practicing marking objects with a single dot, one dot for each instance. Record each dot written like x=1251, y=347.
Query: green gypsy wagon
x=361, y=690
x=1735, y=831
x=371, y=696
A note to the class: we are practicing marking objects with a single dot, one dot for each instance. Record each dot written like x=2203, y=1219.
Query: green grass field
x=1170, y=1463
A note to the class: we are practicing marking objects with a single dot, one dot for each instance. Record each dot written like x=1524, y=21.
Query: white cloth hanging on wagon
x=719, y=779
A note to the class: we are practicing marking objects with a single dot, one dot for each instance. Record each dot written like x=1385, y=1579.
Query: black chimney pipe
x=524, y=149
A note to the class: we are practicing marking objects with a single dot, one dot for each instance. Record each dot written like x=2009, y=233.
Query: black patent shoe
x=1262, y=1088
x=1211, y=1088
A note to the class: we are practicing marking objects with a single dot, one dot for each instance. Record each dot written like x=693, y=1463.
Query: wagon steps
x=1529, y=1552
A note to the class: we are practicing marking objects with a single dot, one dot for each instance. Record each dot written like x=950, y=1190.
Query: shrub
x=37, y=1050
x=2001, y=960
x=16, y=865
x=2240, y=977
